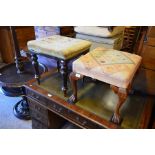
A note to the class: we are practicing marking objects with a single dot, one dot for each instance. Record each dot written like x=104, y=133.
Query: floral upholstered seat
x=59, y=46
x=108, y=65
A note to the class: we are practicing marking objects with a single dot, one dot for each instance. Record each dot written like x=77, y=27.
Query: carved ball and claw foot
x=122, y=96
x=74, y=77
x=116, y=119
x=72, y=99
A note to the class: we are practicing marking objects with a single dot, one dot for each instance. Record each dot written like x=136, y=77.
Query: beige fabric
x=99, y=31
x=108, y=65
x=59, y=46
x=114, y=42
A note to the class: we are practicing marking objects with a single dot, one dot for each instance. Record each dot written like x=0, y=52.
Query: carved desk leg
x=73, y=79
x=64, y=73
x=36, y=67
x=122, y=96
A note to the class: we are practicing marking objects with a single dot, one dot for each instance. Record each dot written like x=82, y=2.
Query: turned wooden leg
x=19, y=65
x=64, y=73
x=18, y=58
x=122, y=96
x=58, y=65
x=73, y=79
x=36, y=67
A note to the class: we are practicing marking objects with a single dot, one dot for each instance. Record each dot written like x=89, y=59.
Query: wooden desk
x=50, y=109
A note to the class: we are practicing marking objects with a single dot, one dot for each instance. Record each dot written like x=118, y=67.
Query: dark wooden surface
x=10, y=78
x=6, y=45
x=24, y=33
x=144, y=82
x=147, y=48
x=145, y=79
x=130, y=38
x=67, y=31
x=93, y=110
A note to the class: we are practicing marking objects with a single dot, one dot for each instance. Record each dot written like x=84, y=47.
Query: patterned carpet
x=7, y=118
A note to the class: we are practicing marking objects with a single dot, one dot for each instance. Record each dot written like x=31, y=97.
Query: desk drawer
x=39, y=117
x=36, y=107
x=36, y=97
x=38, y=112
x=79, y=120
x=62, y=111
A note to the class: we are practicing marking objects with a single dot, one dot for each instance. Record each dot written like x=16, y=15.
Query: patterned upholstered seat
x=108, y=65
x=59, y=46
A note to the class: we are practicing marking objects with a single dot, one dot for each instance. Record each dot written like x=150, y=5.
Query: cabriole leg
x=73, y=79
x=122, y=96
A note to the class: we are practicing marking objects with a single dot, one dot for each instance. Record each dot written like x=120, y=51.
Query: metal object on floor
x=21, y=109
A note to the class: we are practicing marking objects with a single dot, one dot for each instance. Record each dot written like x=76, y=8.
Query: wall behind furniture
x=6, y=45
x=145, y=79
x=24, y=33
